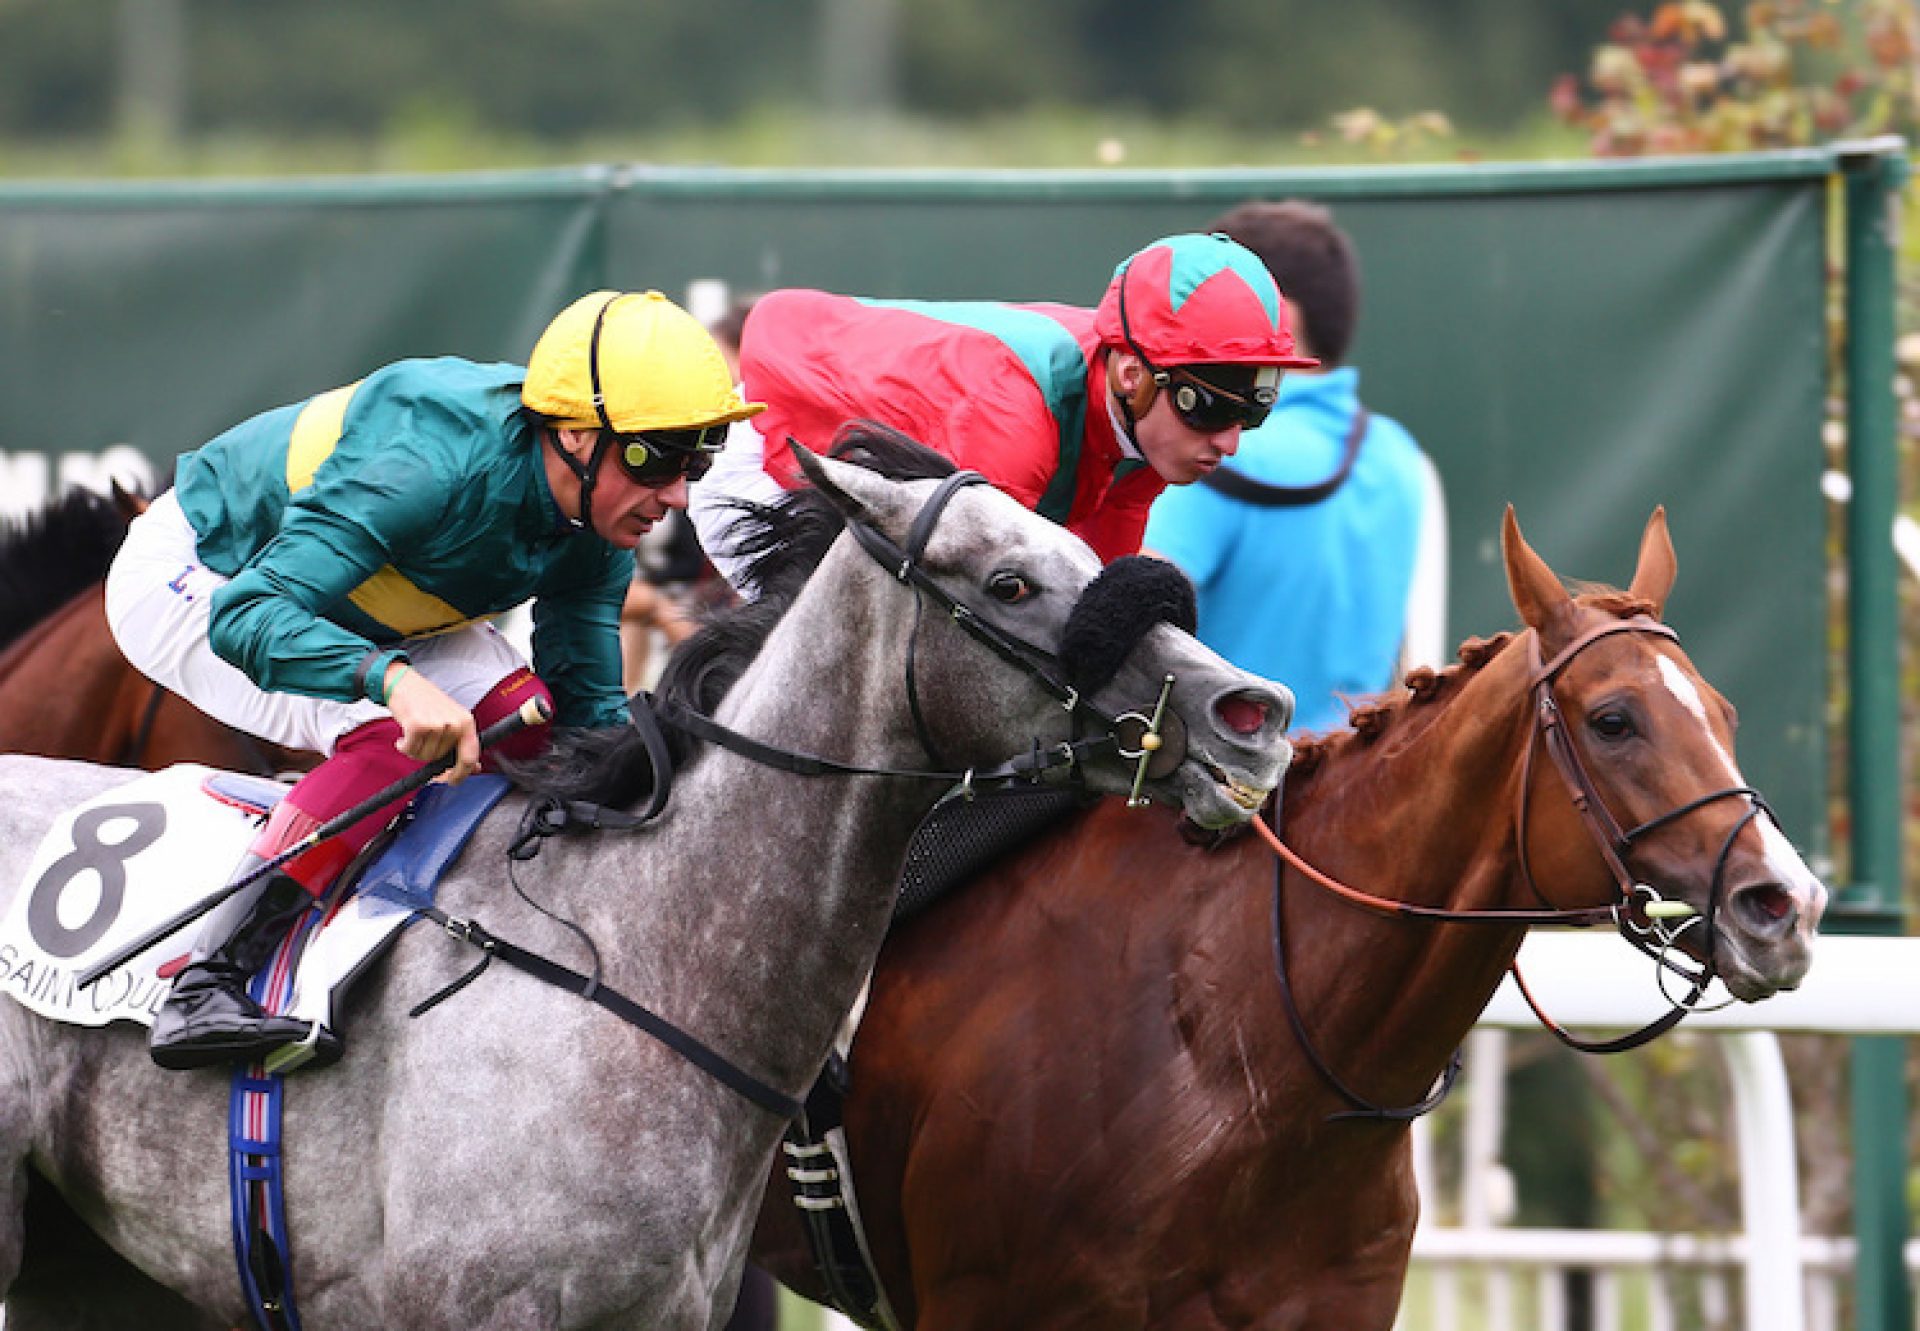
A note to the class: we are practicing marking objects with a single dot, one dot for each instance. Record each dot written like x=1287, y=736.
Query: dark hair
x=1312, y=262
x=728, y=325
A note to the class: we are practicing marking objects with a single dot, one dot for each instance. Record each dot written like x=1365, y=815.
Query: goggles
x=654, y=458
x=1210, y=408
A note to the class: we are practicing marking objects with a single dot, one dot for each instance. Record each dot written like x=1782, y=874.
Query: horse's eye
x=1009, y=588
x=1611, y=724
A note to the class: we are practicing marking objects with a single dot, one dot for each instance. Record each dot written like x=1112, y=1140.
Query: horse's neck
x=62, y=683
x=1426, y=816
x=785, y=882
x=20, y=652
x=1425, y=811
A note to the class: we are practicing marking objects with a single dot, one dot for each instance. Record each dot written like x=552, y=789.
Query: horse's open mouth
x=1246, y=796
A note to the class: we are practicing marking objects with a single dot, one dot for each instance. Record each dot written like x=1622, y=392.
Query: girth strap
x=714, y=1064
x=820, y=1182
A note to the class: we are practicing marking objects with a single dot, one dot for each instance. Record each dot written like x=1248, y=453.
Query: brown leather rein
x=1628, y=912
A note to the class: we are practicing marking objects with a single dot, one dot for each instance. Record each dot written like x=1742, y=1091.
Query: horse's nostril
x=1773, y=902
x=1241, y=714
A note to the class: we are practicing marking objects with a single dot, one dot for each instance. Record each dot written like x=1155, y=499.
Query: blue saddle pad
x=443, y=821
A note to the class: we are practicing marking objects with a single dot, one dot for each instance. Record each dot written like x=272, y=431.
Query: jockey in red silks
x=1082, y=415
x=321, y=576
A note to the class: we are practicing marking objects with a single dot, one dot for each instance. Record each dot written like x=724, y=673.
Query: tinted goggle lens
x=1209, y=408
x=660, y=457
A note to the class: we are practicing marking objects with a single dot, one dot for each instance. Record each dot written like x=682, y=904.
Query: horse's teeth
x=1247, y=797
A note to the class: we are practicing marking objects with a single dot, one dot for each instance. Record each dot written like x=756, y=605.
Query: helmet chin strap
x=585, y=472
x=1123, y=403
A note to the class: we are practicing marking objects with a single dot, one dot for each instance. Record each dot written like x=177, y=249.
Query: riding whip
x=533, y=712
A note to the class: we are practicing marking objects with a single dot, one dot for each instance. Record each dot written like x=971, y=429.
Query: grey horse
x=518, y=1157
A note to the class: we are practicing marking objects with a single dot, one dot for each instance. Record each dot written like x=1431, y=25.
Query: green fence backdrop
x=1584, y=341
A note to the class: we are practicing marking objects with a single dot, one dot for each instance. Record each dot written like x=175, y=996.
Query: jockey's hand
x=431, y=723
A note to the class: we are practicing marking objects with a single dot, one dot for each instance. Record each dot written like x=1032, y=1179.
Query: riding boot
x=209, y=1017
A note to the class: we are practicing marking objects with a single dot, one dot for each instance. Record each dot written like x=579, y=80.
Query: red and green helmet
x=1197, y=299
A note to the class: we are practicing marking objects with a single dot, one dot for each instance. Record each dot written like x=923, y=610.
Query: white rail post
x=1769, y=1181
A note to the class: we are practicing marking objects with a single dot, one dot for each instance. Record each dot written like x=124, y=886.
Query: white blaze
x=1788, y=868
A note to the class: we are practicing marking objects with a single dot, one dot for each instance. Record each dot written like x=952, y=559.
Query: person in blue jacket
x=1319, y=550
x=322, y=575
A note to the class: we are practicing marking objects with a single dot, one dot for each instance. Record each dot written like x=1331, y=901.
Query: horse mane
x=783, y=544
x=52, y=555
x=1371, y=718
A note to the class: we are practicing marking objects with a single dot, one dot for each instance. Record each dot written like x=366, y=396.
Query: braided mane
x=1370, y=718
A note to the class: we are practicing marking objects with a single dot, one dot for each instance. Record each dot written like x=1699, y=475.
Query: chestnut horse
x=1127, y=1081
x=65, y=690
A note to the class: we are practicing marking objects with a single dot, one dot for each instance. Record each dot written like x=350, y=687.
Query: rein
x=1636, y=911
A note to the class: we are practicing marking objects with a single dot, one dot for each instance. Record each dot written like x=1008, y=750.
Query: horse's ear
x=855, y=491
x=1535, y=588
x=130, y=504
x=1653, y=578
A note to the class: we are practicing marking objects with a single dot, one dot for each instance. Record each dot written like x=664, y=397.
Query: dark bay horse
x=65, y=689
x=520, y=1158
x=1079, y=1099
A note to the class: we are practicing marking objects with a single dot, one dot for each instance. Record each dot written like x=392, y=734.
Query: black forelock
x=883, y=449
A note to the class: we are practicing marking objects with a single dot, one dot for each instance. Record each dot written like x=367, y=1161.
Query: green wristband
x=404, y=668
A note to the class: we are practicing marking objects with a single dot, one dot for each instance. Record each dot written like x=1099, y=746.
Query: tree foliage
x=1801, y=72
x=560, y=69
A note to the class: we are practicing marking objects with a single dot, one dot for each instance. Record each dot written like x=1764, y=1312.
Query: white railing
x=1484, y=1276
x=1498, y=1279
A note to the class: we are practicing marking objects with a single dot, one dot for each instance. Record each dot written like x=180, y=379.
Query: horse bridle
x=1134, y=736
x=1636, y=910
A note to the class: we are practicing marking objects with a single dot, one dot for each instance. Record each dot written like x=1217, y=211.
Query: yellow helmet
x=631, y=362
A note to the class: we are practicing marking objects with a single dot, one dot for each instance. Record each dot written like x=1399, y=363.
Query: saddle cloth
x=132, y=857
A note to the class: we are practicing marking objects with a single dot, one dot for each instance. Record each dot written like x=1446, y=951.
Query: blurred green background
x=169, y=86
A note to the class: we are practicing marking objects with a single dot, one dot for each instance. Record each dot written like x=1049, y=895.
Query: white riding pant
x=739, y=472
x=159, y=603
